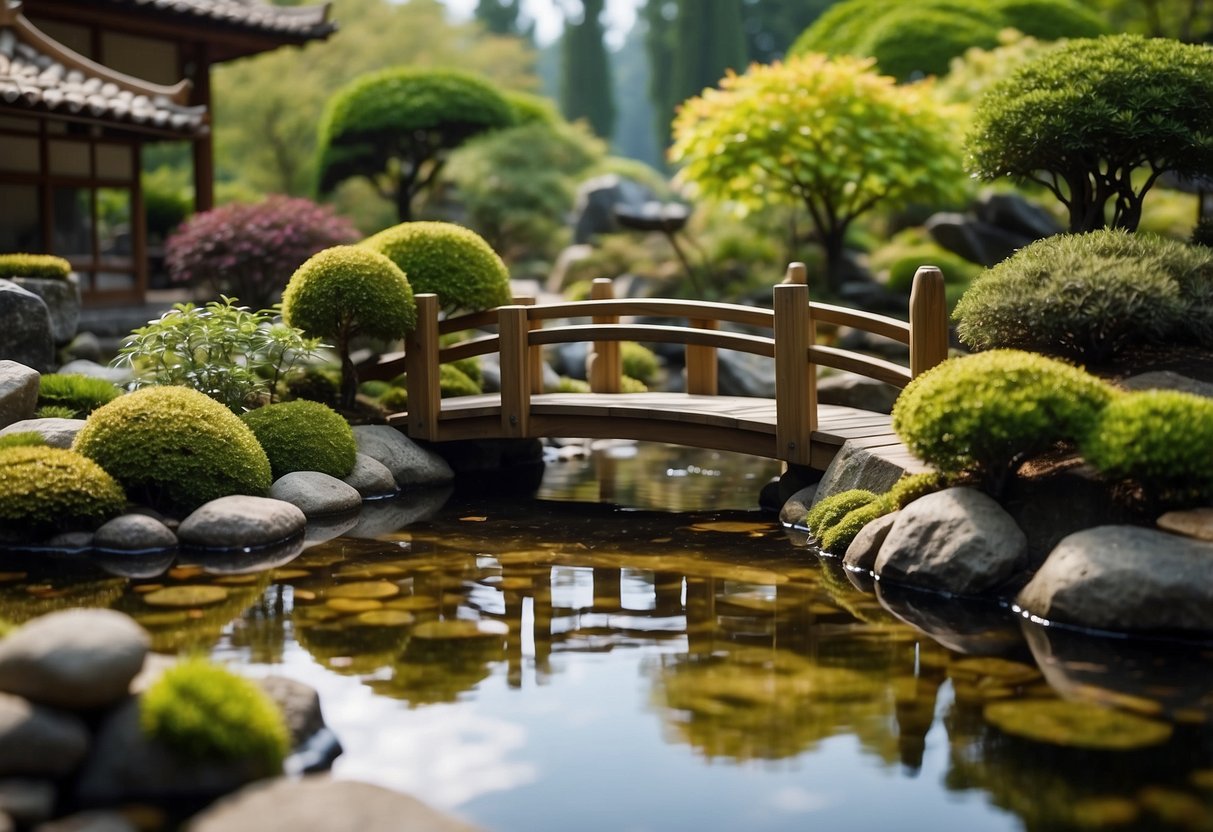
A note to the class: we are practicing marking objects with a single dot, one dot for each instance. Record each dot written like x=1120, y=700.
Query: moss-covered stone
x=303, y=436
x=45, y=488
x=838, y=537
x=34, y=265
x=829, y=511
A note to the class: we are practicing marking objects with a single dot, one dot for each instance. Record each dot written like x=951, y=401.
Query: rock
x=26, y=336
x=237, y=521
x=380, y=517
x=316, y=494
x=768, y=497
x=410, y=464
x=597, y=201
x=115, y=375
x=7, y=824
x=860, y=340
x=58, y=433
x=27, y=801
x=134, y=533
x=300, y=705
x=1016, y=214
x=320, y=804
x=371, y=478
x=1125, y=579
x=18, y=392
x=95, y=821
x=558, y=279
x=743, y=374
x=62, y=299
x=797, y=506
x=86, y=346
x=77, y=659
x=968, y=626
x=1168, y=380
x=861, y=554
x=569, y=359
x=35, y=740
x=795, y=478
x=853, y=390
x=323, y=529
x=1195, y=522
x=72, y=542
x=974, y=240
x=957, y=540
x=856, y=467
x=142, y=565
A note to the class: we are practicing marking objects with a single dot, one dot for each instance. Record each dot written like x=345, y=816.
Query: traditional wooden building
x=84, y=84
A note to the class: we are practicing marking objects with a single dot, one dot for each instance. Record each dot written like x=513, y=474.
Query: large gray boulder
x=974, y=240
x=237, y=521
x=58, y=433
x=854, y=390
x=27, y=800
x=134, y=533
x=410, y=464
x=35, y=740
x=76, y=659
x=83, y=367
x=62, y=299
x=743, y=374
x=862, y=552
x=18, y=392
x=958, y=540
x=1012, y=212
x=1126, y=579
x=316, y=494
x=598, y=200
x=26, y=334
x=855, y=466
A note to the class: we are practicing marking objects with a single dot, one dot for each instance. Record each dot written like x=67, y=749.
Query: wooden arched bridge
x=792, y=427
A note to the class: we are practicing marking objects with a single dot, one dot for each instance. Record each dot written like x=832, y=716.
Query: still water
x=638, y=649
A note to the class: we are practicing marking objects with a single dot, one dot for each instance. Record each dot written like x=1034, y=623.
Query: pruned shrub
x=205, y=713
x=983, y=414
x=829, y=511
x=627, y=384
x=175, y=448
x=395, y=400
x=79, y=394
x=44, y=489
x=639, y=362
x=565, y=384
x=913, y=41
x=909, y=488
x=317, y=384
x=303, y=436
x=34, y=265
x=1051, y=19
x=454, y=382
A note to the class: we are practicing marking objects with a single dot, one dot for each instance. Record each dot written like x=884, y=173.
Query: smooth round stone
x=238, y=520
x=35, y=740
x=134, y=533
x=371, y=478
x=1195, y=522
x=316, y=494
x=410, y=464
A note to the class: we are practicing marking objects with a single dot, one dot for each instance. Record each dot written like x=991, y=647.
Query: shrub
x=829, y=511
x=347, y=291
x=448, y=260
x=1161, y=439
x=564, y=384
x=984, y=414
x=902, y=260
x=639, y=362
x=79, y=394
x=205, y=713
x=908, y=489
x=912, y=41
x=454, y=382
x=627, y=384
x=303, y=436
x=395, y=400
x=1051, y=19
x=250, y=251
x=315, y=384
x=837, y=537
x=176, y=447
x=22, y=439
x=374, y=389
x=44, y=489
x=34, y=265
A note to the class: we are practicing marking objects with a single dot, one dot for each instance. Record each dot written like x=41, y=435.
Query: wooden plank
x=421, y=358
x=753, y=344
x=659, y=307
x=864, y=365
x=867, y=321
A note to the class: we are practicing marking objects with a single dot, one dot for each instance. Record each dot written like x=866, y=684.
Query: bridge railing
x=792, y=324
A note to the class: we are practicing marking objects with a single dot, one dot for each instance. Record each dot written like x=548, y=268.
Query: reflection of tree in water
x=439, y=669
x=21, y=602
x=194, y=627
x=262, y=628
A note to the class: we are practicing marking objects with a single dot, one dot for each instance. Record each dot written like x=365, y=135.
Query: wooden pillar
x=421, y=365
x=204, y=146
x=701, y=363
x=795, y=375
x=604, y=366
x=534, y=353
x=515, y=371
x=928, y=320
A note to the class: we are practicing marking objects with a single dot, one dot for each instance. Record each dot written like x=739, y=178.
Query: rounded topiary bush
x=913, y=41
x=34, y=265
x=454, y=382
x=448, y=260
x=175, y=447
x=79, y=393
x=983, y=414
x=204, y=713
x=43, y=489
x=303, y=436
x=1160, y=439
x=829, y=511
x=639, y=362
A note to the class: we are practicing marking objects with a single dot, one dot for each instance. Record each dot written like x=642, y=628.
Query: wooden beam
x=421, y=359
x=928, y=320
x=604, y=368
x=795, y=377
x=515, y=371
x=702, y=374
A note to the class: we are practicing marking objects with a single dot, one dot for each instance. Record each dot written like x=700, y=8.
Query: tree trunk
x=833, y=242
x=404, y=202
x=349, y=373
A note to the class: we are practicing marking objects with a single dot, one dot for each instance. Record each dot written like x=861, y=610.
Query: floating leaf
x=353, y=604
x=731, y=527
x=457, y=629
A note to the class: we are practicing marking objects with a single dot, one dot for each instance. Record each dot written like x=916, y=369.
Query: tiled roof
x=300, y=21
x=39, y=74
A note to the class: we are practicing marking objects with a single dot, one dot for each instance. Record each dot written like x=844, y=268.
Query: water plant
x=303, y=436
x=46, y=489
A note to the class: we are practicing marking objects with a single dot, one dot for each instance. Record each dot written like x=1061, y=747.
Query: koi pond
x=636, y=649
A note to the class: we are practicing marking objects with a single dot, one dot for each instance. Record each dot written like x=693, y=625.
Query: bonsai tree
x=346, y=291
x=395, y=127
x=828, y=133
x=1097, y=122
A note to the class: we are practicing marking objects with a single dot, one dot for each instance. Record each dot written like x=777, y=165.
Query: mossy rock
x=1075, y=724
x=23, y=439
x=304, y=436
x=175, y=447
x=34, y=265
x=836, y=538
x=44, y=489
x=829, y=511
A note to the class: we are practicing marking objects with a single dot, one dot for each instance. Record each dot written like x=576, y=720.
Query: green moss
x=838, y=537
x=448, y=260
x=176, y=447
x=23, y=439
x=44, y=489
x=34, y=265
x=454, y=382
x=374, y=389
x=627, y=384
x=81, y=394
x=395, y=400
x=315, y=384
x=55, y=412
x=909, y=488
x=564, y=384
x=639, y=362
x=829, y=511
x=205, y=713
x=303, y=436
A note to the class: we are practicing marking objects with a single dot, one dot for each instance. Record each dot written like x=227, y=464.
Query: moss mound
x=303, y=436
x=835, y=507
x=43, y=489
x=78, y=393
x=838, y=537
x=34, y=265
x=206, y=713
x=639, y=362
x=448, y=260
x=175, y=447
x=908, y=489
x=453, y=382
x=22, y=439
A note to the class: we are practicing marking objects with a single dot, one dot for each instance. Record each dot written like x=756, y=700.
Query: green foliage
x=374, y=389
x=585, y=88
x=303, y=436
x=34, y=265
x=1051, y=19
x=231, y=353
x=627, y=384
x=569, y=385
x=837, y=537
x=900, y=258
x=166, y=200
x=1092, y=296
x=78, y=393
x=395, y=400
x=46, y=489
x=1083, y=117
x=532, y=109
x=983, y=414
x=829, y=511
x=909, y=488
x=454, y=382
x=638, y=361
x=448, y=260
x=22, y=439
x=973, y=72
x=175, y=447
x=205, y=713
x=52, y=411
x=912, y=41
x=1160, y=439
x=316, y=384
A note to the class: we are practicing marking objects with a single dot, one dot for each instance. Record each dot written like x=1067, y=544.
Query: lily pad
x=237, y=580
x=1075, y=724
x=353, y=604
x=189, y=595
x=1105, y=811
x=731, y=527
x=458, y=629
x=364, y=589
x=1004, y=671
x=371, y=570
x=385, y=618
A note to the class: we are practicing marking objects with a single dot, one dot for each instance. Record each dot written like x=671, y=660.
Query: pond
x=591, y=659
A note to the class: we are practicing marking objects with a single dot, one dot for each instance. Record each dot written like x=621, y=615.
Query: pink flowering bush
x=250, y=251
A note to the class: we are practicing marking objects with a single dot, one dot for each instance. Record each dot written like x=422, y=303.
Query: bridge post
x=795, y=375
x=513, y=329
x=928, y=320
x=702, y=371
x=604, y=367
x=534, y=354
x=421, y=365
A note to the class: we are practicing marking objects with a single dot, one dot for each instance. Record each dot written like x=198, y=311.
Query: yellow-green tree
x=829, y=134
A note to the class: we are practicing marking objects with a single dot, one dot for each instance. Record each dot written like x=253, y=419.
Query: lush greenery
x=837, y=537
x=829, y=511
x=909, y=488
x=79, y=394
x=348, y=291
x=303, y=436
x=51, y=489
x=205, y=713
x=1082, y=119
x=22, y=439
x=847, y=141
x=639, y=362
x=174, y=448
x=452, y=262
x=34, y=265
x=1092, y=296
x=982, y=415
x=231, y=353
x=249, y=251
x=585, y=82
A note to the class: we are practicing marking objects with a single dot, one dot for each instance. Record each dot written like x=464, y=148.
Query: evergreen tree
x=504, y=17
x=586, y=89
x=772, y=25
